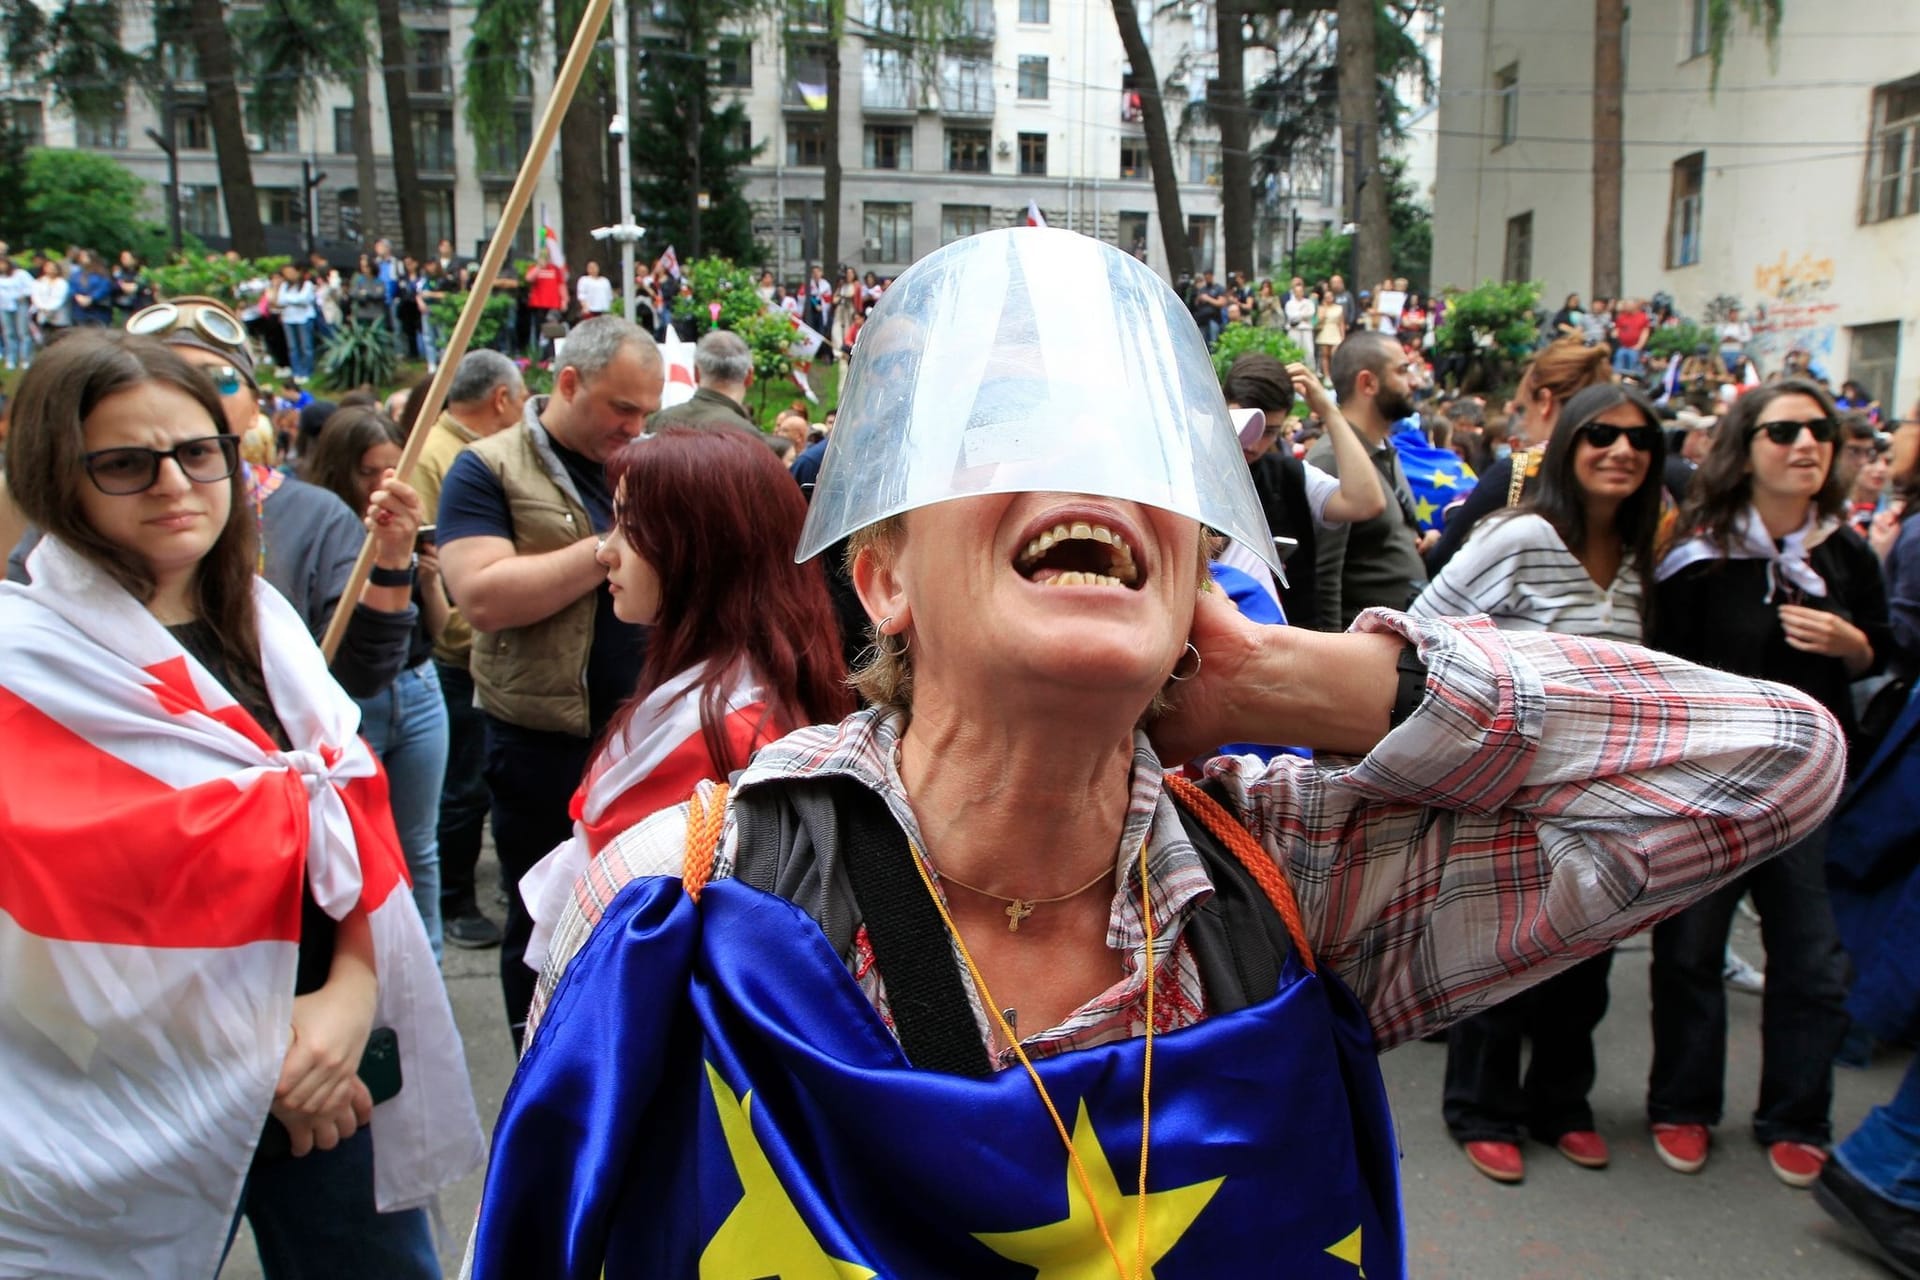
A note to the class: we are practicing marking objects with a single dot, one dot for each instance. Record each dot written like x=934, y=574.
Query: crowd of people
x=958, y=692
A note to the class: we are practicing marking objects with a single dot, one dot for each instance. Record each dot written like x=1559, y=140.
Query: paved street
x=1635, y=1221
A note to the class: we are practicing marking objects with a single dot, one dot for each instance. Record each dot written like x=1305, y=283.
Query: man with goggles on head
x=309, y=539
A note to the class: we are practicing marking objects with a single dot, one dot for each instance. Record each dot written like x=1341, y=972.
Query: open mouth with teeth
x=1079, y=554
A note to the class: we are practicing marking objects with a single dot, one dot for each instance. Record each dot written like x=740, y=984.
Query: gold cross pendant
x=1018, y=909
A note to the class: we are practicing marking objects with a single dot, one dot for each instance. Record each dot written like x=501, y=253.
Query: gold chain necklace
x=1019, y=909
x=1059, y=1125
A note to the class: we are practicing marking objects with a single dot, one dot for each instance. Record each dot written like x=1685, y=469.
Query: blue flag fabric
x=710, y=1094
x=1436, y=476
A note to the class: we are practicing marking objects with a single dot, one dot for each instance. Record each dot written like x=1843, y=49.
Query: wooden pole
x=568, y=80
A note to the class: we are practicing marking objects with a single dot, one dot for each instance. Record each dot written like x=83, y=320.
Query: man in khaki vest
x=487, y=397
x=521, y=514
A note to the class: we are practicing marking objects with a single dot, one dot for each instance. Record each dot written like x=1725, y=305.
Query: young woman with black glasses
x=1766, y=580
x=1576, y=558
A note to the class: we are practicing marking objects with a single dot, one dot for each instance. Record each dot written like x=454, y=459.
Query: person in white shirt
x=16, y=292
x=595, y=293
x=295, y=297
x=1576, y=558
x=1300, y=311
x=1734, y=334
x=49, y=298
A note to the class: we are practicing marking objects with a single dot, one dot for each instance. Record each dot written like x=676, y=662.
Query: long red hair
x=718, y=518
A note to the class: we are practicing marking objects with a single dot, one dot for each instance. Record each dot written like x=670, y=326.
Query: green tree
x=78, y=197
x=1493, y=327
x=1153, y=117
x=1411, y=223
x=685, y=145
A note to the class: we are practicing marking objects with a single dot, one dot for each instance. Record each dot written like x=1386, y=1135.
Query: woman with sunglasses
x=204, y=914
x=1575, y=558
x=404, y=722
x=1767, y=581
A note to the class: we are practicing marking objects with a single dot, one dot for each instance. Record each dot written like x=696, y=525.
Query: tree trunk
x=1609, y=17
x=1228, y=97
x=213, y=50
x=696, y=121
x=830, y=158
x=583, y=176
x=1366, y=185
x=366, y=171
x=396, y=60
x=1166, y=182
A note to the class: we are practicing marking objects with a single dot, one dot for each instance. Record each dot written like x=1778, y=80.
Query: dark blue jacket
x=1873, y=873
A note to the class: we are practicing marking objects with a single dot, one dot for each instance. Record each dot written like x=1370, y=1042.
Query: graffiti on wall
x=1794, y=312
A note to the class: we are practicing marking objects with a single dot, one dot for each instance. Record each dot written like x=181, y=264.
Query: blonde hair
x=260, y=446
x=1565, y=367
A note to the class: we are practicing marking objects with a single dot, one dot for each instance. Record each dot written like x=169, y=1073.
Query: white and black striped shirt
x=1518, y=572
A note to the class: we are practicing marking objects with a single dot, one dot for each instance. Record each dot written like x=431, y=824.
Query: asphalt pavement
x=1636, y=1220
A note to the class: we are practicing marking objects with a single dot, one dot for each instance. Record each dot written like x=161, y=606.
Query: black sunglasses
x=1601, y=435
x=133, y=469
x=1785, y=432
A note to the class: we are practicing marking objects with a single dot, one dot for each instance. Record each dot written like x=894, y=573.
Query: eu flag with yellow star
x=711, y=1095
x=1437, y=476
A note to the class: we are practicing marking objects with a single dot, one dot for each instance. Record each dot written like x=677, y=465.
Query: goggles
x=204, y=317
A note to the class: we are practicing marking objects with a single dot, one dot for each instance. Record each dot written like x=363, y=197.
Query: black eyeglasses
x=1785, y=432
x=133, y=469
x=1601, y=435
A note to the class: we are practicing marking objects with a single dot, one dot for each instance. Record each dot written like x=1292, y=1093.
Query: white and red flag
x=153, y=845
x=1034, y=217
x=678, y=358
x=670, y=260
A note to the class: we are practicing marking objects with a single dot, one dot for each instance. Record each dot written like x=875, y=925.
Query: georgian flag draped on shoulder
x=153, y=841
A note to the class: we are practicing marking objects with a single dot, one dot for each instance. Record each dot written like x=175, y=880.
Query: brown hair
x=1723, y=486
x=334, y=459
x=46, y=465
x=1566, y=367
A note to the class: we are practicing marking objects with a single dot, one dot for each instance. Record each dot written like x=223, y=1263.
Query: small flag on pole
x=671, y=261
x=1034, y=217
x=678, y=358
x=549, y=240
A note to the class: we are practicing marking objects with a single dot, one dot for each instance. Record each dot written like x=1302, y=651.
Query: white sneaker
x=1742, y=976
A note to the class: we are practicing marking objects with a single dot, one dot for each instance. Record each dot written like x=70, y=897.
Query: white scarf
x=1786, y=560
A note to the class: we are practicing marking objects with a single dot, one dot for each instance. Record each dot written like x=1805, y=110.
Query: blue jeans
x=299, y=348
x=1626, y=360
x=1884, y=1152
x=313, y=1219
x=429, y=343
x=406, y=725
x=464, y=798
x=15, y=344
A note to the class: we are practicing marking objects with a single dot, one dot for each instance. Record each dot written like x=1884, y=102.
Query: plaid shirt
x=1552, y=795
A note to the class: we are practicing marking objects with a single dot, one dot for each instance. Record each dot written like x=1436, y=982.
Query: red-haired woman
x=744, y=647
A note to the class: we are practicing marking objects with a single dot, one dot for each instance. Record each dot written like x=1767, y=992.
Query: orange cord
x=705, y=825
x=1254, y=858
x=1146, y=1078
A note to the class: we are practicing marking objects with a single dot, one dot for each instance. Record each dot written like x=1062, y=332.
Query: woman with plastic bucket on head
x=966, y=984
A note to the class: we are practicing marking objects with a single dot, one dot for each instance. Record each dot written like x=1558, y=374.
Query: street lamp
x=173, y=181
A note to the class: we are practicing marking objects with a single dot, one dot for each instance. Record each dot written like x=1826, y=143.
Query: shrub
x=446, y=314
x=357, y=354
x=1679, y=339
x=1238, y=339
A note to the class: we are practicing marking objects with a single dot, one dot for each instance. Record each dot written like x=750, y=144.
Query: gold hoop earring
x=1175, y=675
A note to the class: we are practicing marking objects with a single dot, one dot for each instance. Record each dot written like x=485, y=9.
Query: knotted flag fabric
x=153, y=841
x=710, y=1094
x=1437, y=476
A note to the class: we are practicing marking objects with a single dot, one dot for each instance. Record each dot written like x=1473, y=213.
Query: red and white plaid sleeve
x=1552, y=795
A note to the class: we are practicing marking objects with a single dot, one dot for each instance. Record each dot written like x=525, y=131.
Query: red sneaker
x=1500, y=1161
x=1797, y=1164
x=1682, y=1147
x=1584, y=1147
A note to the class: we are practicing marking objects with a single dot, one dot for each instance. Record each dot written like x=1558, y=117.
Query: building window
x=886, y=79
x=800, y=231
x=1130, y=233
x=1873, y=356
x=200, y=210
x=890, y=16
x=433, y=140
x=1034, y=11
x=966, y=85
x=104, y=133
x=1200, y=242
x=889, y=146
x=740, y=138
x=343, y=131
x=1203, y=162
x=280, y=206
x=438, y=207
x=1893, y=152
x=888, y=235
x=432, y=62
x=193, y=128
x=960, y=220
x=806, y=87
x=281, y=135
x=969, y=151
x=1683, y=210
x=505, y=152
x=1519, y=260
x=1133, y=158
x=806, y=143
x=1033, y=155
x=974, y=20
x=27, y=122
x=733, y=64
x=1700, y=29
x=1033, y=78
x=492, y=205
x=1506, y=97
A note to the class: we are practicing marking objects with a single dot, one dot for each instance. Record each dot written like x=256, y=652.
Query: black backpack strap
x=1239, y=941
x=862, y=869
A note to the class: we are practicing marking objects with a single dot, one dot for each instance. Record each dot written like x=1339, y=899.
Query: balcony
x=966, y=86
x=973, y=23
x=887, y=82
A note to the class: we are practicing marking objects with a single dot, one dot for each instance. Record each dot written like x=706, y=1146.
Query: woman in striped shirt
x=1574, y=558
